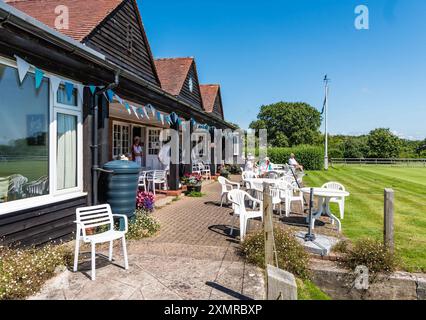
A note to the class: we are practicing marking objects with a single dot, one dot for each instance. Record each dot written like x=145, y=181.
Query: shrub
x=234, y=169
x=311, y=157
x=372, y=254
x=335, y=153
x=145, y=201
x=142, y=225
x=23, y=271
x=292, y=257
x=195, y=194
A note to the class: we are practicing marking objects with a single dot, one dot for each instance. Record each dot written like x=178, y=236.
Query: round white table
x=324, y=196
x=257, y=183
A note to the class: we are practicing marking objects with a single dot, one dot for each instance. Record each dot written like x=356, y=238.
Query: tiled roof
x=209, y=93
x=172, y=73
x=84, y=15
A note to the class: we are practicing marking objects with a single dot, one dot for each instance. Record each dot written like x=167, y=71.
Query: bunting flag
x=135, y=111
x=150, y=107
x=162, y=118
x=120, y=101
x=23, y=68
x=39, y=75
x=69, y=89
x=110, y=95
x=158, y=115
x=145, y=112
x=140, y=111
x=126, y=105
x=92, y=89
x=55, y=82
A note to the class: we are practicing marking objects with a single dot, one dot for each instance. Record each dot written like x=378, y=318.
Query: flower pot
x=193, y=188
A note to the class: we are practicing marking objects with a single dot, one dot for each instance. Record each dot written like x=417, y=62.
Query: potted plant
x=224, y=172
x=193, y=182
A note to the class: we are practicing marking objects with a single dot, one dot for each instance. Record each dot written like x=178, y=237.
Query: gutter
x=11, y=15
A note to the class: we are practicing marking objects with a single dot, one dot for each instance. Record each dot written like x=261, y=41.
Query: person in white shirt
x=137, y=151
x=293, y=163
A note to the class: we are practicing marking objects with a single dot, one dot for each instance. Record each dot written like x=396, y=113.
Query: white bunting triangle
x=135, y=111
x=55, y=82
x=162, y=118
x=23, y=68
x=80, y=90
x=145, y=113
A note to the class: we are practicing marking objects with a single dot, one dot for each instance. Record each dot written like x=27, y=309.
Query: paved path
x=192, y=257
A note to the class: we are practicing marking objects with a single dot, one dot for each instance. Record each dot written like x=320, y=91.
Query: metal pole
x=326, y=80
x=310, y=236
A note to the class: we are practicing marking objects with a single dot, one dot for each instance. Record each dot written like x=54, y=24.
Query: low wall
x=338, y=283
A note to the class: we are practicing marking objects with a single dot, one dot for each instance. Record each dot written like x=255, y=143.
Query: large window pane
x=24, y=114
x=66, y=151
x=62, y=96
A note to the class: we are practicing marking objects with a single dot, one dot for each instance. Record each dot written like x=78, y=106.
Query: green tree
x=383, y=144
x=289, y=123
x=355, y=147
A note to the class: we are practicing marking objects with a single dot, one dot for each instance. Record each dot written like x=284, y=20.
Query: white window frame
x=54, y=195
x=122, y=124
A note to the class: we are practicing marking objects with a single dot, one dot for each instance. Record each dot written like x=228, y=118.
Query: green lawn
x=33, y=170
x=364, y=207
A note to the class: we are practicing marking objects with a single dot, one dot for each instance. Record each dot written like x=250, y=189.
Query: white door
x=120, y=140
x=153, y=148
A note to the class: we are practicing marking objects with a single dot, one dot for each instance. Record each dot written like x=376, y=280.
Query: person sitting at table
x=265, y=166
x=137, y=151
x=292, y=162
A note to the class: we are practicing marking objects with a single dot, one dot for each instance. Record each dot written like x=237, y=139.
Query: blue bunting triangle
x=39, y=74
x=110, y=95
x=92, y=89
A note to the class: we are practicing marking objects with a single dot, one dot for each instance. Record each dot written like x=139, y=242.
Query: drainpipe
x=95, y=144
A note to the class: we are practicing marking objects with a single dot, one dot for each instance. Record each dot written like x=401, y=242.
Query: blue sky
x=267, y=51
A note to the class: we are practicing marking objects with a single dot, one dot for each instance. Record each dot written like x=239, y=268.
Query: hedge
x=311, y=157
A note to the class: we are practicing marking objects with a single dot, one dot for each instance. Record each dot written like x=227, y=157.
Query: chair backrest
x=4, y=188
x=248, y=175
x=334, y=186
x=16, y=183
x=160, y=175
x=237, y=198
x=222, y=181
x=272, y=175
x=95, y=216
x=38, y=188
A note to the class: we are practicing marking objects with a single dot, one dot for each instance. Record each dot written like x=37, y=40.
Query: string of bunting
x=148, y=111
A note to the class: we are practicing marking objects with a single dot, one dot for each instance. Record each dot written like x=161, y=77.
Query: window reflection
x=24, y=114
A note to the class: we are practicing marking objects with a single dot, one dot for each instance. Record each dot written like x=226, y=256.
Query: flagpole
x=326, y=81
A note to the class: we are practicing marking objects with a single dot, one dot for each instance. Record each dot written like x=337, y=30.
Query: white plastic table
x=324, y=196
x=257, y=183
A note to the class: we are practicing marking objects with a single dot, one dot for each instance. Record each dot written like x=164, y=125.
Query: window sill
x=36, y=202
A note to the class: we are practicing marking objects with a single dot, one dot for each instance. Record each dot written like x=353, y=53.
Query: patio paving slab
x=192, y=257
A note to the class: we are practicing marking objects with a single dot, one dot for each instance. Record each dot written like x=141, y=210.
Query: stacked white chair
x=339, y=200
x=97, y=216
x=205, y=171
x=142, y=180
x=238, y=199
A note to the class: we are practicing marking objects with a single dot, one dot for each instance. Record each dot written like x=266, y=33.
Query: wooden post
x=388, y=221
x=268, y=225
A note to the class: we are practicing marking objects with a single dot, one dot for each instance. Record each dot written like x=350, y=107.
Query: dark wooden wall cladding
x=194, y=97
x=122, y=39
x=36, y=226
x=217, y=107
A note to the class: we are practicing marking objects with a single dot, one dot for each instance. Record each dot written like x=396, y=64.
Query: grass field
x=33, y=170
x=364, y=207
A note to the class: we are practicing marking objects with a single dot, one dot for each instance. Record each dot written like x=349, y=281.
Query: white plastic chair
x=196, y=168
x=226, y=187
x=4, y=188
x=289, y=194
x=17, y=181
x=205, y=171
x=157, y=177
x=248, y=175
x=96, y=216
x=238, y=199
x=339, y=200
x=142, y=180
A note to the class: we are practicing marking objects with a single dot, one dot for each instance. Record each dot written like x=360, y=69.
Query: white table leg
x=331, y=215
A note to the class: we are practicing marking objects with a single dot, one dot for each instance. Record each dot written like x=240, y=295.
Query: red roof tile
x=173, y=73
x=84, y=15
x=209, y=93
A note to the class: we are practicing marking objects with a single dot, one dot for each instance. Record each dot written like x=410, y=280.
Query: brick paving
x=192, y=257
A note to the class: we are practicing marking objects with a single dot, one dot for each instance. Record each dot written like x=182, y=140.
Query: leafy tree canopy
x=289, y=123
x=383, y=143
